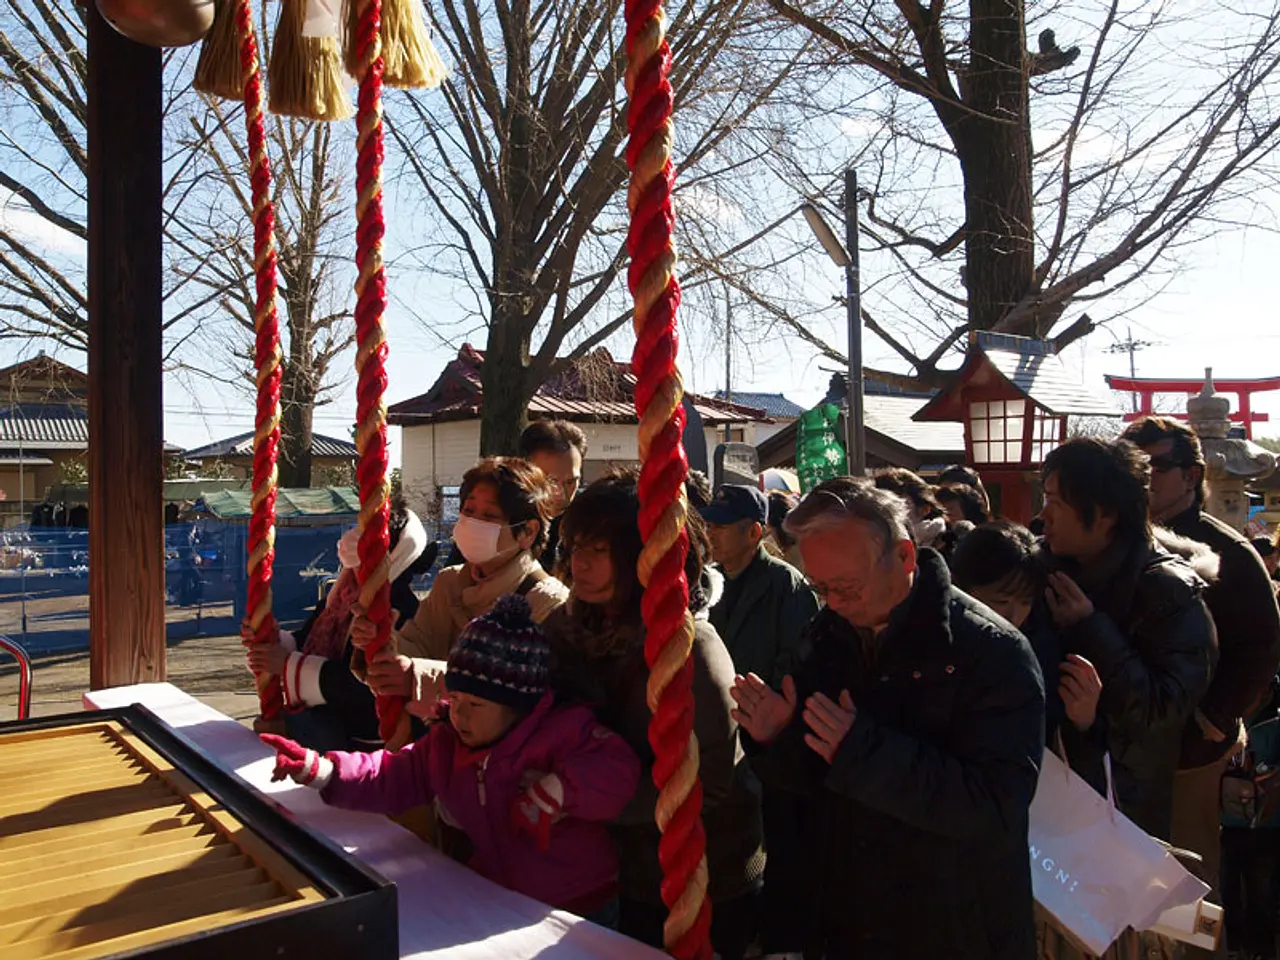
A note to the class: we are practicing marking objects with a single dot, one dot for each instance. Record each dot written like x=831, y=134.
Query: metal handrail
x=16, y=650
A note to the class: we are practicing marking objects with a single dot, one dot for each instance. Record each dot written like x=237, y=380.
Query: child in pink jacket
x=532, y=784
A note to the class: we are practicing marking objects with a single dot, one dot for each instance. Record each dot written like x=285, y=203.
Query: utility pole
x=728, y=343
x=853, y=300
x=1131, y=347
x=845, y=256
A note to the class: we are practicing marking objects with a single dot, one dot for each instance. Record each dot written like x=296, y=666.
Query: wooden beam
x=126, y=413
x=1193, y=386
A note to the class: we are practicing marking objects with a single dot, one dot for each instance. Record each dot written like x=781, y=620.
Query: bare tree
x=208, y=296
x=521, y=165
x=43, y=170
x=212, y=242
x=43, y=178
x=1004, y=186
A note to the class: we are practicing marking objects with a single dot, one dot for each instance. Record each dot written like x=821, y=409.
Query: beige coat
x=457, y=598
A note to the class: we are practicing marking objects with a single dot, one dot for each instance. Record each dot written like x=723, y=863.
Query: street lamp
x=845, y=256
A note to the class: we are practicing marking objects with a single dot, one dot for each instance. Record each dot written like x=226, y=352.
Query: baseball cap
x=734, y=502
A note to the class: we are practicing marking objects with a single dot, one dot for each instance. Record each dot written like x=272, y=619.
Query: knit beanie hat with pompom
x=502, y=656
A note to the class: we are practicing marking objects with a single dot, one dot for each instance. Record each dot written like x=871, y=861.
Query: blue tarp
x=205, y=580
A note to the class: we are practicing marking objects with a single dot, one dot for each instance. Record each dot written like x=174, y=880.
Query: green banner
x=819, y=453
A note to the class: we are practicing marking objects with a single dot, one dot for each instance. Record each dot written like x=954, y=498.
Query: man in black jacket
x=761, y=616
x=1131, y=609
x=917, y=719
x=557, y=448
x=1243, y=605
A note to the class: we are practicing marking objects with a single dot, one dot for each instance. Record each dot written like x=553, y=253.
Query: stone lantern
x=1230, y=463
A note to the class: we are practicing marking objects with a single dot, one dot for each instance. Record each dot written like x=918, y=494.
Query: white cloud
x=708, y=205
x=17, y=217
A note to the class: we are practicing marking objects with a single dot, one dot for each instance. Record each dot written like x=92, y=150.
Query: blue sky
x=1219, y=311
x=1216, y=310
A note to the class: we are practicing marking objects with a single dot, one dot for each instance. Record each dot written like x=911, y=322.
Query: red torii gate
x=1146, y=388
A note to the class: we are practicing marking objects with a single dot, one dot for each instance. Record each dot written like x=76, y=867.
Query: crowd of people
x=877, y=670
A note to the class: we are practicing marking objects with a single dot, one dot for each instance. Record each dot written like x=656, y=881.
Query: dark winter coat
x=345, y=694
x=923, y=841
x=1152, y=641
x=1083, y=750
x=604, y=667
x=550, y=558
x=772, y=605
x=1243, y=604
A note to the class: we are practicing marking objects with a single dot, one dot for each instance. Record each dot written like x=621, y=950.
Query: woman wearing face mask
x=501, y=532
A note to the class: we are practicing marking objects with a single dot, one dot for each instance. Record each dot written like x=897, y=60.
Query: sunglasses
x=1165, y=464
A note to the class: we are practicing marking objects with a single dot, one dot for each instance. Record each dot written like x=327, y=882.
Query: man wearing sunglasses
x=1243, y=605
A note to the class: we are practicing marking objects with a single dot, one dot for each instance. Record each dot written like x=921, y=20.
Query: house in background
x=327, y=453
x=44, y=431
x=893, y=438
x=779, y=409
x=44, y=425
x=440, y=430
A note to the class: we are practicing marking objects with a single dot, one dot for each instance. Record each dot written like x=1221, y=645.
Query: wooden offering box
x=118, y=838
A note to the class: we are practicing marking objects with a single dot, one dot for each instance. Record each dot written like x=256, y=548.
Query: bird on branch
x=1051, y=57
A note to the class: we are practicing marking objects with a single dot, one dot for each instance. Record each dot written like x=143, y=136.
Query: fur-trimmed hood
x=709, y=592
x=1201, y=556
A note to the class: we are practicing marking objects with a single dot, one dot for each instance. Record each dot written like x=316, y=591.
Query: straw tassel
x=218, y=69
x=410, y=58
x=305, y=73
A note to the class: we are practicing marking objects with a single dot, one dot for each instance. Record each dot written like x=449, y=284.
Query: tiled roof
x=242, y=446
x=890, y=431
x=1033, y=368
x=891, y=416
x=38, y=426
x=774, y=404
x=596, y=388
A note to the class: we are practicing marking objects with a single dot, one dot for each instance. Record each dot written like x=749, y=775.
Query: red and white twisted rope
x=267, y=366
x=663, y=506
x=371, y=355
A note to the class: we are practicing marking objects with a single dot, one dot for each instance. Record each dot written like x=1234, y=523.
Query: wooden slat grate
x=105, y=848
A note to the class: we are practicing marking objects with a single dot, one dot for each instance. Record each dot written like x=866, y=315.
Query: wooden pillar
x=126, y=417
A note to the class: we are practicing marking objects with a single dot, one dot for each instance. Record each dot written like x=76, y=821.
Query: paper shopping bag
x=1092, y=868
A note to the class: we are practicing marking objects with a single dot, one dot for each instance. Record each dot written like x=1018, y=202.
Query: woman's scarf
x=477, y=596
x=328, y=635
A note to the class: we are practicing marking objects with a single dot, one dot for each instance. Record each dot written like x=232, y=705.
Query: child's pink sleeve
x=382, y=781
x=598, y=771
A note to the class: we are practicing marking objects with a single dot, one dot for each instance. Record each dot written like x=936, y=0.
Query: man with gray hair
x=915, y=716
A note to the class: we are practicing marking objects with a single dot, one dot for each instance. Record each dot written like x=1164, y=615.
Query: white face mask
x=477, y=539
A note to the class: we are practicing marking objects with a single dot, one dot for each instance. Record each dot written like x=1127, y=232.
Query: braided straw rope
x=267, y=363
x=663, y=507
x=371, y=355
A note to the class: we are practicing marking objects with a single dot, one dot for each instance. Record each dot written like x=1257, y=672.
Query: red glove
x=298, y=763
x=537, y=808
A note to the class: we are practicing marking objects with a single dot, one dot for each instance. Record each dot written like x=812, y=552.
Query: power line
x=1131, y=347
